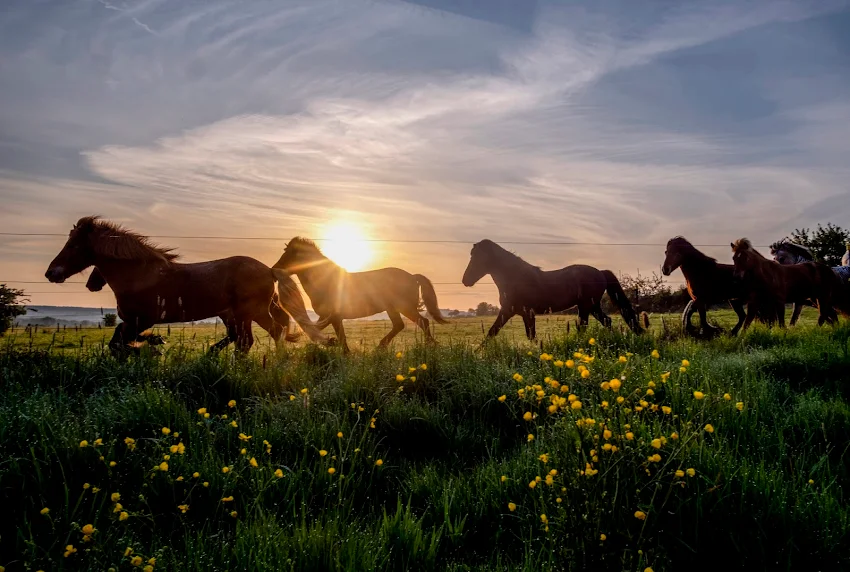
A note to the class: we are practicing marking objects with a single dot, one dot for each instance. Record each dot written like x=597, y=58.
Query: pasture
x=624, y=453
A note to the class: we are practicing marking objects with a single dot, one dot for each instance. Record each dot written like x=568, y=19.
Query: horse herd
x=151, y=288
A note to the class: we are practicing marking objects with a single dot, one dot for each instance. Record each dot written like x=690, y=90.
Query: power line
x=396, y=241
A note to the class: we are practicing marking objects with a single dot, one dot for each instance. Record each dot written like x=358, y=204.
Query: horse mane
x=305, y=244
x=504, y=256
x=792, y=247
x=111, y=240
x=744, y=245
x=685, y=246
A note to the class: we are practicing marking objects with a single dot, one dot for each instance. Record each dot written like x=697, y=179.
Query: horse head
x=744, y=257
x=300, y=253
x=78, y=252
x=787, y=252
x=479, y=262
x=674, y=256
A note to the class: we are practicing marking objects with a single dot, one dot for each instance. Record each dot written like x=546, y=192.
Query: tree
x=485, y=309
x=109, y=320
x=827, y=243
x=11, y=306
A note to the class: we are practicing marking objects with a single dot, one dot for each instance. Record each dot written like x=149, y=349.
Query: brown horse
x=787, y=252
x=152, y=288
x=527, y=290
x=708, y=281
x=775, y=284
x=337, y=295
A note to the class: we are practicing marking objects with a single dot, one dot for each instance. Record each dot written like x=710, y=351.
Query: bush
x=109, y=320
x=11, y=306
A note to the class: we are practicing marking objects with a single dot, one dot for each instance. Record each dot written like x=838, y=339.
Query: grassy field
x=610, y=454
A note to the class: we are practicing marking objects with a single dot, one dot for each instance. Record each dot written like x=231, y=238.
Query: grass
x=767, y=490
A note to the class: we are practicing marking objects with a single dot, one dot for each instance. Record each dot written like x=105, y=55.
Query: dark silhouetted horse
x=152, y=288
x=527, y=290
x=709, y=282
x=787, y=252
x=774, y=285
x=337, y=295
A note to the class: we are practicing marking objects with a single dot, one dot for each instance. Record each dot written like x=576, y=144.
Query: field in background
x=362, y=334
x=430, y=458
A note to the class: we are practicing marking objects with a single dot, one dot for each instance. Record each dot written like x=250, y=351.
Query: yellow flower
x=83, y=444
x=621, y=399
x=615, y=384
x=152, y=561
x=291, y=398
x=558, y=363
x=544, y=457
x=585, y=374
x=686, y=363
x=206, y=484
x=304, y=391
x=331, y=471
x=69, y=550
x=650, y=392
x=811, y=481
x=666, y=410
x=225, y=470
x=112, y=463
x=622, y=359
x=399, y=377
x=530, y=437
x=379, y=462
x=656, y=458
x=196, y=474
x=606, y=447
x=680, y=473
x=115, y=497
x=166, y=431
x=709, y=428
x=656, y=443
x=727, y=397
x=527, y=416
x=322, y=453
x=606, y=434
x=423, y=367
x=655, y=354
x=511, y=506
x=231, y=403
x=136, y=561
x=244, y=437
x=202, y=411
x=227, y=499
x=592, y=341
x=163, y=466
x=398, y=354
x=503, y=478
x=603, y=405
x=691, y=472
x=88, y=529
x=253, y=462
x=648, y=569
x=517, y=377
x=640, y=515
x=739, y=406
x=674, y=435
x=147, y=568
x=503, y=398
x=166, y=457
x=278, y=473
x=570, y=363
x=95, y=489
x=234, y=424
x=234, y=514
x=602, y=537
x=605, y=385
x=544, y=519
x=698, y=395
x=630, y=436
x=683, y=369
x=532, y=484
x=123, y=516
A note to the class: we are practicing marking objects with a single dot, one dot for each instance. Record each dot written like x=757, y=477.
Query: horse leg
x=686, y=316
x=230, y=324
x=530, y=324
x=603, y=318
x=423, y=323
x=501, y=320
x=270, y=325
x=583, y=317
x=244, y=335
x=738, y=306
x=116, y=345
x=795, y=315
x=752, y=309
x=398, y=325
x=336, y=322
x=281, y=318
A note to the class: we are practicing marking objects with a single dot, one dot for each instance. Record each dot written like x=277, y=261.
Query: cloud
x=272, y=118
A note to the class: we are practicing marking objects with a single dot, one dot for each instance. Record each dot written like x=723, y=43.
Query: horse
x=787, y=252
x=708, y=281
x=152, y=288
x=779, y=284
x=337, y=295
x=526, y=290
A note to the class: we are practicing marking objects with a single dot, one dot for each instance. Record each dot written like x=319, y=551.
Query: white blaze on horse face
x=346, y=244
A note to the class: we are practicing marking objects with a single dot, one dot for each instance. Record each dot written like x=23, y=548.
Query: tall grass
x=766, y=491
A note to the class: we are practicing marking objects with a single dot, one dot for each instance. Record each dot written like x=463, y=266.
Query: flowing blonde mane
x=305, y=245
x=111, y=240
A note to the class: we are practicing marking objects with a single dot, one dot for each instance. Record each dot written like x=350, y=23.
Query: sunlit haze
x=431, y=124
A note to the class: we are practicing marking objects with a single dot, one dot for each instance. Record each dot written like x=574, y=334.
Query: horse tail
x=282, y=318
x=429, y=298
x=615, y=291
x=291, y=301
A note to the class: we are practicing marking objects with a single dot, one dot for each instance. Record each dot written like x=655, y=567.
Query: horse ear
x=732, y=244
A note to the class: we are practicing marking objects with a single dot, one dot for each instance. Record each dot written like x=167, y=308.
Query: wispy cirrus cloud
x=585, y=126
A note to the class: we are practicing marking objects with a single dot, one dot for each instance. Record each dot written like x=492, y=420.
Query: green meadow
x=591, y=450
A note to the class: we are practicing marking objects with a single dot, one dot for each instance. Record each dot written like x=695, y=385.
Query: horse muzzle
x=666, y=271
x=55, y=275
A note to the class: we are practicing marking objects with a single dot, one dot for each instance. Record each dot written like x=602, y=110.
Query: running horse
x=773, y=284
x=151, y=287
x=526, y=290
x=709, y=282
x=337, y=294
x=787, y=252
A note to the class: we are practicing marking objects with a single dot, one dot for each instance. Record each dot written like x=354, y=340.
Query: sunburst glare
x=346, y=244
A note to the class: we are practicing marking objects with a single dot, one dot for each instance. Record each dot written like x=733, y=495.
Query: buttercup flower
x=122, y=516
x=739, y=406
x=698, y=395
x=680, y=473
x=640, y=515
x=331, y=471
x=511, y=506
x=503, y=397
x=379, y=462
x=655, y=354
x=691, y=472
x=83, y=445
x=709, y=428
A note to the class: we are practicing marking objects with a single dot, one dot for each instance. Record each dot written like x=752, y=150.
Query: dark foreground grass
x=356, y=470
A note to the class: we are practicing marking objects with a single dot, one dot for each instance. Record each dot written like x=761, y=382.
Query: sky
x=455, y=120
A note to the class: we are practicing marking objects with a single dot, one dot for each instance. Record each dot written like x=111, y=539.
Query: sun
x=346, y=244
